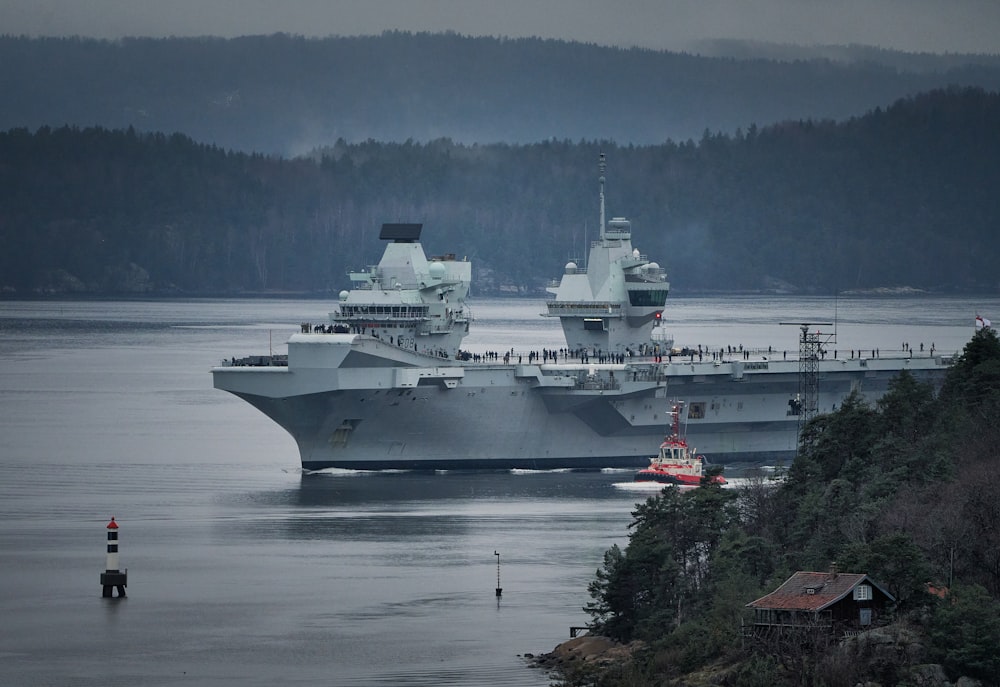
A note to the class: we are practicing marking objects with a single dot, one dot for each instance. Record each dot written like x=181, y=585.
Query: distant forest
x=287, y=95
x=904, y=196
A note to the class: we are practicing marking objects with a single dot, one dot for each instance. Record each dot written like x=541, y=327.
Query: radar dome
x=653, y=266
x=635, y=252
x=437, y=270
x=344, y=295
x=570, y=267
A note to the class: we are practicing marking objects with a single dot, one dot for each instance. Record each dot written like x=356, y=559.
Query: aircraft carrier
x=384, y=384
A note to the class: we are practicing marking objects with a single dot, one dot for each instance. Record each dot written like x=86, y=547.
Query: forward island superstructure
x=385, y=385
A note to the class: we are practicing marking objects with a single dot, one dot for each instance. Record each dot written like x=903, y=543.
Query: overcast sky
x=911, y=25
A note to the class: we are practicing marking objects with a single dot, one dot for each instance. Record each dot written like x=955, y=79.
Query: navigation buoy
x=113, y=577
x=499, y=588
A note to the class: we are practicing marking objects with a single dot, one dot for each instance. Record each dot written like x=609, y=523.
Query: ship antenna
x=602, y=166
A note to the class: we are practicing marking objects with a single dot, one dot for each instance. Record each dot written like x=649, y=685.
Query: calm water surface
x=242, y=570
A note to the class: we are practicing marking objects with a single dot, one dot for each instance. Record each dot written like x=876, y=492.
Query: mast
x=602, y=167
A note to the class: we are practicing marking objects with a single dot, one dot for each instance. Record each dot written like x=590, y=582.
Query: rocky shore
x=586, y=654
x=895, y=653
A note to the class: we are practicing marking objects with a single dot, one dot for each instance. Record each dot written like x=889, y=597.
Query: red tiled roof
x=827, y=589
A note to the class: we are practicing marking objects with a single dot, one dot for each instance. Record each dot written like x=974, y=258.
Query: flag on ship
x=982, y=322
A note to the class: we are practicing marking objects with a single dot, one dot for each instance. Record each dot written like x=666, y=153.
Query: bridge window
x=650, y=298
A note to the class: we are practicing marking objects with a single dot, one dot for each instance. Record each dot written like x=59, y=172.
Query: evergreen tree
x=661, y=579
x=965, y=632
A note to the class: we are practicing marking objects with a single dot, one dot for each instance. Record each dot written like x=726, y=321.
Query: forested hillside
x=287, y=95
x=902, y=491
x=900, y=196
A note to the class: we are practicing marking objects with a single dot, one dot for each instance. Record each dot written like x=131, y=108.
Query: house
x=833, y=601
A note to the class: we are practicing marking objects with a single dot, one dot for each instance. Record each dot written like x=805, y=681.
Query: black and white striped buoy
x=113, y=577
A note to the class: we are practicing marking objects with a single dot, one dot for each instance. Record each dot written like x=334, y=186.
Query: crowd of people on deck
x=656, y=352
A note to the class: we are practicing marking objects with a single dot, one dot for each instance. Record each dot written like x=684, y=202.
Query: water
x=242, y=570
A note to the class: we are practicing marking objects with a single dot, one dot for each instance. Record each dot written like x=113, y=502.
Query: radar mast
x=602, y=166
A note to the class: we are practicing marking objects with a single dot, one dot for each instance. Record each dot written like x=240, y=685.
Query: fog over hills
x=287, y=95
x=935, y=26
x=264, y=163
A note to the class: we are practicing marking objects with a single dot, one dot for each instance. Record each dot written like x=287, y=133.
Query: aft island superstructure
x=385, y=384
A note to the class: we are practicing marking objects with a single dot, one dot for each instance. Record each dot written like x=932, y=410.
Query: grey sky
x=911, y=25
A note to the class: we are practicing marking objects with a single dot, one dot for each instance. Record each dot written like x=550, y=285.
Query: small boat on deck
x=676, y=463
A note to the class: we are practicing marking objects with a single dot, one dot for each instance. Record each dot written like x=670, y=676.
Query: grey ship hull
x=354, y=402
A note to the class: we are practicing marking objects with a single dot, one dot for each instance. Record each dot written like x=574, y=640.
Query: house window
x=863, y=592
x=865, y=617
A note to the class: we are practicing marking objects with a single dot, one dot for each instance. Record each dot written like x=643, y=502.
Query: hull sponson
x=412, y=413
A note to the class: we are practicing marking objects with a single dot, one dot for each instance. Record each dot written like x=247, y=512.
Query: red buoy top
x=112, y=525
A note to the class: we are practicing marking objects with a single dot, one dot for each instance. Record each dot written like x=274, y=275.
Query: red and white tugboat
x=677, y=463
